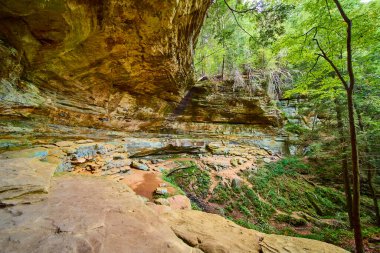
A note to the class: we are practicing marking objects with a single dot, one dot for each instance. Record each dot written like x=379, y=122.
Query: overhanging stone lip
x=105, y=48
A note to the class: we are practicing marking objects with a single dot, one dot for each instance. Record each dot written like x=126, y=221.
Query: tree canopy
x=324, y=52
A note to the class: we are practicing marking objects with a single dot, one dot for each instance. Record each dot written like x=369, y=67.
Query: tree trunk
x=223, y=69
x=349, y=87
x=344, y=161
x=355, y=175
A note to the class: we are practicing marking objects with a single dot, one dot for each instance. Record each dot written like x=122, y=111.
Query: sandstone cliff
x=91, y=58
x=120, y=65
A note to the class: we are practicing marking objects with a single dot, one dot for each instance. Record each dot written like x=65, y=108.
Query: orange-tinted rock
x=70, y=68
x=98, y=62
x=179, y=202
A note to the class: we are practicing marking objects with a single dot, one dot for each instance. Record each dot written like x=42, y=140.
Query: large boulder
x=25, y=172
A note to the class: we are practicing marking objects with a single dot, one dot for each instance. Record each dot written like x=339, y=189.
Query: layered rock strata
x=106, y=64
x=101, y=62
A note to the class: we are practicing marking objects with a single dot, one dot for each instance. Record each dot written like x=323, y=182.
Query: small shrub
x=295, y=128
x=220, y=194
x=245, y=210
x=194, y=206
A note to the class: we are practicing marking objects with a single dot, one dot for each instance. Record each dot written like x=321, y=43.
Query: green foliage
x=289, y=166
x=235, y=43
x=260, y=226
x=194, y=206
x=294, y=128
x=221, y=194
x=370, y=232
x=282, y=45
x=262, y=209
x=330, y=235
x=290, y=220
x=190, y=179
x=245, y=210
x=282, y=185
x=172, y=182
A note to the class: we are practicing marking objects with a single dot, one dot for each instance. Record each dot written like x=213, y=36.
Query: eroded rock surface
x=89, y=213
x=25, y=172
x=220, y=103
x=98, y=63
x=212, y=233
x=70, y=68
x=85, y=214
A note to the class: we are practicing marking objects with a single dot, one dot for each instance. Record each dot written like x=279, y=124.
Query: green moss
x=221, y=194
x=290, y=220
x=229, y=208
x=282, y=185
x=260, y=225
x=190, y=179
x=261, y=208
x=172, y=183
x=334, y=236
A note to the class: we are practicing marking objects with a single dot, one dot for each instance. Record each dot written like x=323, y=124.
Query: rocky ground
x=87, y=196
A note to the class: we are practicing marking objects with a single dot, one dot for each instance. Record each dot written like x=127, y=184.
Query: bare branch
x=324, y=56
x=237, y=22
x=349, y=46
x=315, y=64
x=206, y=56
x=240, y=11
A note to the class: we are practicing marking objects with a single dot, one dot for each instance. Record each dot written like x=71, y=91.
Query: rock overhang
x=83, y=47
x=106, y=64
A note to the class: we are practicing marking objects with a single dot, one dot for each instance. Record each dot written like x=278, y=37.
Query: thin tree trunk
x=223, y=69
x=355, y=175
x=344, y=161
x=203, y=67
x=349, y=87
x=223, y=63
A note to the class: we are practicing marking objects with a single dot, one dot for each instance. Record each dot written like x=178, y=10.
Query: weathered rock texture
x=121, y=65
x=212, y=233
x=97, y=61
x=219, y=103
x=86, y=213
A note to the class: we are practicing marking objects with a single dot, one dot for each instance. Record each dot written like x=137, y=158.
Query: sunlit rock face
x=95, y=68
x=99, y=62
x=208, y=102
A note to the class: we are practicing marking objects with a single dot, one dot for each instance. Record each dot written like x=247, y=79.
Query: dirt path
x=144, y=183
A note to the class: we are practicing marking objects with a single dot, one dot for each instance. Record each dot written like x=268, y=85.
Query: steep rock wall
x=89, y=59
x=80, y=68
